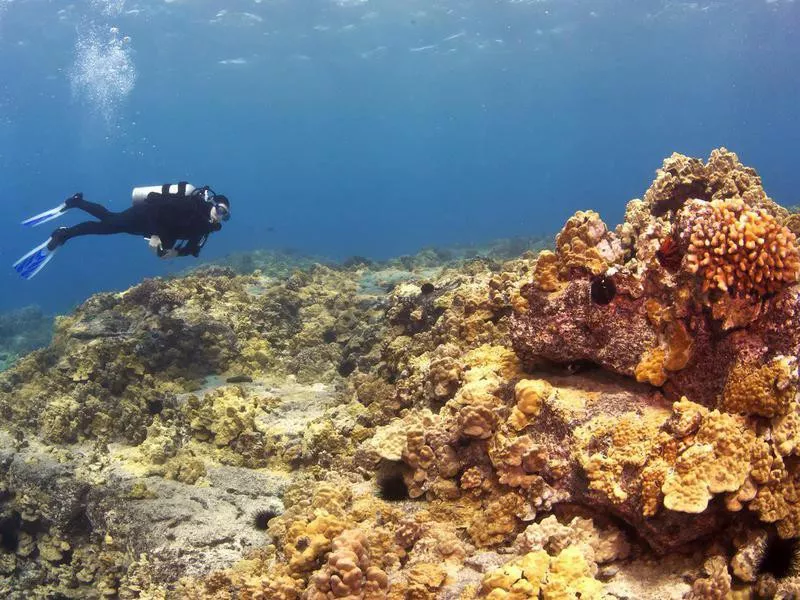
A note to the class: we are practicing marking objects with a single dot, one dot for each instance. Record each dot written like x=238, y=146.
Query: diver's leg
x=62, y=234
x=96, y=210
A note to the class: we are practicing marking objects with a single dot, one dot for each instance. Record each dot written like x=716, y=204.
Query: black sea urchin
x=780, y=558
x=262, y=518
x=603, y=289
x=392, y=488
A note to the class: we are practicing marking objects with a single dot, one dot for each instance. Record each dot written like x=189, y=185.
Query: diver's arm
x=163, y=249
x=192, y=246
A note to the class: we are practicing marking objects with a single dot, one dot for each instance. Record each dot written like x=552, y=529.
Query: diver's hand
x=154, y=243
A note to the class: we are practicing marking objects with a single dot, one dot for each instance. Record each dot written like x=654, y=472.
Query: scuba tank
x=140, y=194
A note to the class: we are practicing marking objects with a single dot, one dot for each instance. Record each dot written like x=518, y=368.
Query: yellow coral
x=518, y=580
x=478, y=421
x=719, y=459
x=792, y=223
x=497, y=521
x=585, y=244
x=786, y=431
x=512, y=458
x=672, y=355
x=567, y=576
x=651, y=367
x=529, y=393
x=390, y=440
x=426, y=577
x=740, y=250
x=717, y=584
x=779, y=502
x=224, y=414
x=476, y=480
x=679, y=346
x=630, y=440
x=765, y=390
x=571, y=576
x=256, y=356
x=545, y=274
x=307, y=542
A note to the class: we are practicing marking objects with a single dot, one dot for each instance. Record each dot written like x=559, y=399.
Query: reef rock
x=699, y=279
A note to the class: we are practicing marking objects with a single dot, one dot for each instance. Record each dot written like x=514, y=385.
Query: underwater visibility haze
x=373, y=127
x=507, y=308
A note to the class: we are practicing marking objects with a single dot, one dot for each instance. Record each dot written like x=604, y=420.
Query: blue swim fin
x=34, y=261
x=46, y=216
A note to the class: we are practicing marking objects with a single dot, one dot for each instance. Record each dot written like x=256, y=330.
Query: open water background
x=373, y=127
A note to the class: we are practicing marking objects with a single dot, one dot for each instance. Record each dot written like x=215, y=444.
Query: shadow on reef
x=614, y=417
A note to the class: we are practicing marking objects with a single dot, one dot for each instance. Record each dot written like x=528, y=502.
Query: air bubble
x=103, y=74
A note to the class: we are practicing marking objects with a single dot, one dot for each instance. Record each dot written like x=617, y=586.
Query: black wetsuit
x=172, y=217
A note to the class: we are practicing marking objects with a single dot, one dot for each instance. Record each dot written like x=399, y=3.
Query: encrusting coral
x=550, y=427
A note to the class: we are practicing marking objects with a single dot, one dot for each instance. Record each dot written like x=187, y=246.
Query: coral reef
x=615, y=417
x=700, y=259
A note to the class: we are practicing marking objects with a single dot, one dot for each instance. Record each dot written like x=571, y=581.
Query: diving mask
x=222, y=211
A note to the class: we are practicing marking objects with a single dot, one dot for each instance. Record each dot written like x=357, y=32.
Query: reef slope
x=614, y=417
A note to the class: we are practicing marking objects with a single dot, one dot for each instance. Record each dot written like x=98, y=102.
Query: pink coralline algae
x=704, y=273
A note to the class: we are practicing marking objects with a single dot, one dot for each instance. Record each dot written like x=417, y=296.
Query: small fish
x=455, y=36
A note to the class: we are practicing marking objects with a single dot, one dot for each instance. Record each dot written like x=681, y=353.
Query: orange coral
x=545, y=274
x=348, y=573
x=740, y=250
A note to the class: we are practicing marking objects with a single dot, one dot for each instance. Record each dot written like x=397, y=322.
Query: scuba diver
x=175, y=219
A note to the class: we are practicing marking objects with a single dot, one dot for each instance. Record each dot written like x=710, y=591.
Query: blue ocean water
x=373, y=127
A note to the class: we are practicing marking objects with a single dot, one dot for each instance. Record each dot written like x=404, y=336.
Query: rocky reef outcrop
x=615, y=417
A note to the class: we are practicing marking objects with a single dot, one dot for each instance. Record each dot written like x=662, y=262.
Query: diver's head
x=220, y=209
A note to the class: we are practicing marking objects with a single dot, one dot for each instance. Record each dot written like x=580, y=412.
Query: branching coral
x=737, y=249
